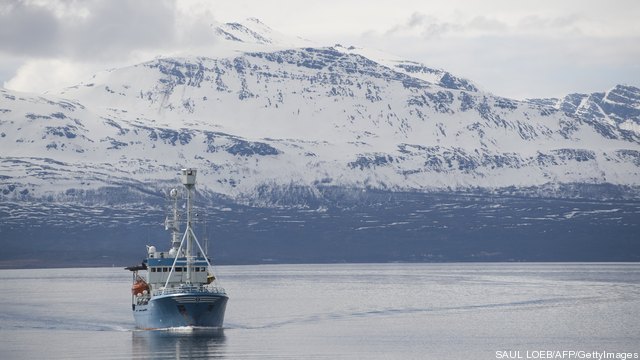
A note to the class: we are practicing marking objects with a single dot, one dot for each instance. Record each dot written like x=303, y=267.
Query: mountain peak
x=235, y=31
x=254, y=31
x=624, y=94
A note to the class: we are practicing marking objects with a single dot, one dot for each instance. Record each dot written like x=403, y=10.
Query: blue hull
x=183, y=309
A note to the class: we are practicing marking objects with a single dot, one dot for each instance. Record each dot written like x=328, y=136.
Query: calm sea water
x=386, y=311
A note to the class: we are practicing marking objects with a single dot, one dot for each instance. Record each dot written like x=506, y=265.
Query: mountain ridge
x=317, y=153
x=365, y=149
x=312, y=116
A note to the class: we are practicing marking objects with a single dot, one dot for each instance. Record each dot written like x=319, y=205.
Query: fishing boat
x=177, y=288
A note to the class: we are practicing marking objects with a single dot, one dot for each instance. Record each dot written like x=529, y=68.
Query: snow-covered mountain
x=274, y=114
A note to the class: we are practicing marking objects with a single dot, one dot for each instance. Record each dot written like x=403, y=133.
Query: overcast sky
x=514, y=48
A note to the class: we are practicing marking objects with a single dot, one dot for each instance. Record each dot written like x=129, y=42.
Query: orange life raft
x=139, y=286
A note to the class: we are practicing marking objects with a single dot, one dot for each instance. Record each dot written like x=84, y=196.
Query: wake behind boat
x=179, y=288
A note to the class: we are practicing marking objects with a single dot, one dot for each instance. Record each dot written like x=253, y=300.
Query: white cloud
x=43, y=74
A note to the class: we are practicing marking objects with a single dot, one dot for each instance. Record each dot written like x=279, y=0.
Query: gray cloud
x=429, y=26
x=566, y=24
x=487, y=24
x=416, y=20
x=119, y=26
x=521, y=55
x=432, y=27
x=27, y=30
x=88, y=30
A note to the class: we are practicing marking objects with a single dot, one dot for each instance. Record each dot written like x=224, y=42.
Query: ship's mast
x=174, y=224
x=189, y=181
x=189, y=238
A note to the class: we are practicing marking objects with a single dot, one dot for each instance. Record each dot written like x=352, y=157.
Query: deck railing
x=188, y=289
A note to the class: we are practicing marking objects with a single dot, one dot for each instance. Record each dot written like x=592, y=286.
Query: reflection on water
x=179, y=343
